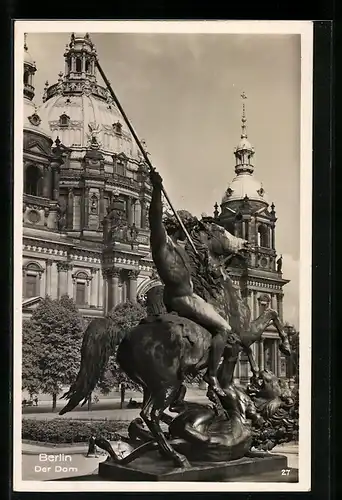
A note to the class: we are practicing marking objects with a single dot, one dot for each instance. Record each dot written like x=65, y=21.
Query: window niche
x=64, y=120
x=81, y=282
x=263, y=236
x=33, y=181
x=32, y=274
x=117, y=128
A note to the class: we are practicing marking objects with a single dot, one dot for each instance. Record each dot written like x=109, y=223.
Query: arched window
x=263, y=236
x=31, y=280
x=64, y=120
x=33, y=183
x=26, y=77
x=78, y=65
x=87, y=66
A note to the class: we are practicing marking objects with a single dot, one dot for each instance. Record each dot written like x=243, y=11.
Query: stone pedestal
x=151, y=468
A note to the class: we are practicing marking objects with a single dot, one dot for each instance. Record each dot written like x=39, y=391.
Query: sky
x=182, y=93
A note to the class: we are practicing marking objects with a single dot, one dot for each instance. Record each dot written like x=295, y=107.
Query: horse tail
x=98, y=344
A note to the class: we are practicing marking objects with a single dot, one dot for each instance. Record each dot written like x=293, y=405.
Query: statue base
x=151, y=468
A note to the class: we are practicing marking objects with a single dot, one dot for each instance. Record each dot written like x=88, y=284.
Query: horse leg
x=253, y=365
x=226, y=370
x=284, y=346
x=160, y=401
x=179, y=398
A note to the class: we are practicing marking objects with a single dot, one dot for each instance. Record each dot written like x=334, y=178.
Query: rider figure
x=173, y=267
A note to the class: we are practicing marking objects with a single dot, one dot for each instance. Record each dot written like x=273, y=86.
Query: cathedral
x=86, y=192
x=86, y=199
x=246, y=213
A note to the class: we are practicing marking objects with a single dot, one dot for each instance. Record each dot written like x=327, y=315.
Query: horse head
x=220, y=242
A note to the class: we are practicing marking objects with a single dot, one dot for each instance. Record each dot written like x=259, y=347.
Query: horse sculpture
x=163, y=349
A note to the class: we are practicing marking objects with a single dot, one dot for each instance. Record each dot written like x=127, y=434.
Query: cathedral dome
x=32, y=119
x=75, y=118
x=244, y=185
x=244, y=145
x=28, y=59
x=79, y=110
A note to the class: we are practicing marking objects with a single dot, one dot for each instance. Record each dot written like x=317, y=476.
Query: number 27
x=285, y=472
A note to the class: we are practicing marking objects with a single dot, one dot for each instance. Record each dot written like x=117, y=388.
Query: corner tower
x=246, y=212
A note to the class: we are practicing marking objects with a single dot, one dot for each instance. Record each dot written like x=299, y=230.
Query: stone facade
x=246, y=213
x=72, y=241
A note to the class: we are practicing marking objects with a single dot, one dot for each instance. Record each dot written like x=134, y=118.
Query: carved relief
x=34, y=216
x=35, y=119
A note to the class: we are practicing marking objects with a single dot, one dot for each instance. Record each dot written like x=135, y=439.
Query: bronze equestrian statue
x=173, y=266
x=202, y=306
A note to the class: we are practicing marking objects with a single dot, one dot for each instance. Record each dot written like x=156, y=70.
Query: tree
x=55, y=331
x=123, y=318
x=31, y=373
x=293, y=363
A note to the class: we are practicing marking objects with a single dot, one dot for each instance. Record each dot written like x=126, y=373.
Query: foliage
x=293, y=336
x=67, y=430
x=52, y=341
x=123, y=318
x=126, y=316
x=31, y=372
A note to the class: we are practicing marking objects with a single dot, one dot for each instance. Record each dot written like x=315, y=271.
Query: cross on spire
x=243, y=119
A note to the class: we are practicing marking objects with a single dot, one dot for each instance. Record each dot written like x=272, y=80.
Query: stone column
x=62, y=278
x=100, y=289
x=143, y=213
x=88, y=293
x=55, y=170
x=255, y=305
x=86, y=207
x=115, y=295
x=48, y=277
x=273, y=237
x=275, y=353
x=243, y=224
x=70, y=283
x=105, y=290
x=102, y=209
x=130, y=209
x=70, y=208
x=94, y=287
x=280, y=297
x=47, y=186
x=132, y=291
x=137, y=213
x=54, y=280
x=73, y=63
x=261, y=355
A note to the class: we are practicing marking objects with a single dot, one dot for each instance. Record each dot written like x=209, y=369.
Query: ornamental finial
x=243, y=119
x=25, y=41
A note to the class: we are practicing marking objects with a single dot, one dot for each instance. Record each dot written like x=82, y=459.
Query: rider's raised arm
x=158, y=235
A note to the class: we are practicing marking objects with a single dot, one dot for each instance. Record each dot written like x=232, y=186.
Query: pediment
x=31, y=303
x=37, y=148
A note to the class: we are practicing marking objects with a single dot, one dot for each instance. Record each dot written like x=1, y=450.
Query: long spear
x=143, y=152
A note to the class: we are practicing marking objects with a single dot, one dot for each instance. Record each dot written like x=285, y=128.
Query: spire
x=244, y=150
x=243, y=119
x=29, y=71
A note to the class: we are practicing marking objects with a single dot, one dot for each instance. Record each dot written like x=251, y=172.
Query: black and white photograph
x=162, y=255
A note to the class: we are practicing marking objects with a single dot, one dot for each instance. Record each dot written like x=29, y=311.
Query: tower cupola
x=244, y=151
x=29, y=71
x=80, y=58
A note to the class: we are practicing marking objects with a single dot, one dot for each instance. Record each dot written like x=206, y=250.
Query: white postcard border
x=303, y=28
